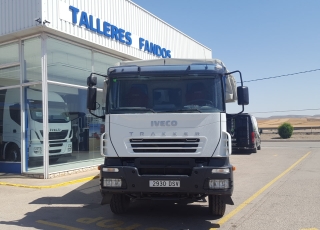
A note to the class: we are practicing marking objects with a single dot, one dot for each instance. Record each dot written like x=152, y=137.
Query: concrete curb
x=85, y=179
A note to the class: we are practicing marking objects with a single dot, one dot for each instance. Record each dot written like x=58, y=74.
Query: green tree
x=285, y=130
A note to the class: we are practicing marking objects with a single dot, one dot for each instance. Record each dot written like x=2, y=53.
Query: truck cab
x=165, y=132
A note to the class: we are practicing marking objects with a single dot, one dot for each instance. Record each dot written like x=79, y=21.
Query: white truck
x=165, y=131
x=60, y=132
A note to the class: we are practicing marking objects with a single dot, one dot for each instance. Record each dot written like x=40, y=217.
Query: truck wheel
x=119, y=203
x=13, y=154
x=259, y=147
x=254, y=150
x=216, y=205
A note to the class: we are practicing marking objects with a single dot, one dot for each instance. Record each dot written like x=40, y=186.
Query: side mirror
x=91, y=81
x=92, y=98
x=243, y=95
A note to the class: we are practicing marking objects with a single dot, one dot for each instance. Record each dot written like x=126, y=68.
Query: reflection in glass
x=79, y=133
x=32, y=59
x=68, y=63
x=9, y=65
x=10, y=125
x=101, y=64
x=34, y=127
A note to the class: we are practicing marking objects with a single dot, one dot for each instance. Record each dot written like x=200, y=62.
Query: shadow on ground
x=81, y=209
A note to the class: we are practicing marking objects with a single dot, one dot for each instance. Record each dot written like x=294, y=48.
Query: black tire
x=216, y=205
x=259, y=147
x=254, y=150
x=119, y=203
x=13, y=154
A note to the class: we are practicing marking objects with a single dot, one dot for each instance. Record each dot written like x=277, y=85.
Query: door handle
x=14, y=131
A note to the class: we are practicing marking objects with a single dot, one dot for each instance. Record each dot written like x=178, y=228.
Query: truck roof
x=171, y=61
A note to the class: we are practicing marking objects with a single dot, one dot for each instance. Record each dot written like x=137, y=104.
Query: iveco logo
x=164, y=123
x=55, y=130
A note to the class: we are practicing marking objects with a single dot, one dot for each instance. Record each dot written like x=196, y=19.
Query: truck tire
x=13, y=154
x=216, y=205
x=259, y=147
x=254, y=150
x=119, y=203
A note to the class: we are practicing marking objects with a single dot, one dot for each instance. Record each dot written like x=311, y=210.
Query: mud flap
x=106, y=198
x=227, y=200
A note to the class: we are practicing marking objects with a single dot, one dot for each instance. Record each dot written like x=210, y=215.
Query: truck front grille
x=57, y=135
x=167, y=145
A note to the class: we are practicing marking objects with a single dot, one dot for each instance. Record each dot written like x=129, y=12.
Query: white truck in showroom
x=60, y=132
x=165, y=131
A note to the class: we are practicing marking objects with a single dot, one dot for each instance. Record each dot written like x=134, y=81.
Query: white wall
x=123, y=14
x=17, y=15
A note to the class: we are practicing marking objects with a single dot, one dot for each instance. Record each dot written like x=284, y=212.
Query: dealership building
x=48, y=48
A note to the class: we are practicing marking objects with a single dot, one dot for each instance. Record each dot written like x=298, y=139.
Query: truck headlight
x=224, y=171
x=219, y=184
x=37, y=150
x=69, y=147
x=114, y=183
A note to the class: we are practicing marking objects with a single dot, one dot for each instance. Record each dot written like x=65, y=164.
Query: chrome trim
x=229, y=142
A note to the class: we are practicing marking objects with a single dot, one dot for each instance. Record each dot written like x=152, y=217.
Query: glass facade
x=9, y=65
x=10, y=127
x=33, y=123
x=73, y=133
x=32, y=60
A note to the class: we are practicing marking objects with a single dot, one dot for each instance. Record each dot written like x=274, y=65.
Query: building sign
x=96, y=25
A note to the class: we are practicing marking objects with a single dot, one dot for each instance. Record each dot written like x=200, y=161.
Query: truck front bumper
x=196, y=183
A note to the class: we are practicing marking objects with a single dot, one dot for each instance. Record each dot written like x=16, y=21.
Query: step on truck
x=165, y=131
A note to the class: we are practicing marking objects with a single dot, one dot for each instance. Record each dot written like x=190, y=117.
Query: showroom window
x=9, y=65
x=33, y=117
x=68, y=63
x=32, y=59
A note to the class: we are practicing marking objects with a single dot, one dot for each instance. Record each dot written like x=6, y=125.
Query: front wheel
x=259, y=147
x=13, y=154
x=217, y=206
x=119, y=203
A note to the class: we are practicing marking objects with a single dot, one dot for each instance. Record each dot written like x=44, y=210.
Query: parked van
x=244, y=132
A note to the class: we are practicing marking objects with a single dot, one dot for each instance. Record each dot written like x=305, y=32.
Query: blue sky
x=262, y=39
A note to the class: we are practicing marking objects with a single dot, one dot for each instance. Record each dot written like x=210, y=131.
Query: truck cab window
x=15, y=113
x=153, y=93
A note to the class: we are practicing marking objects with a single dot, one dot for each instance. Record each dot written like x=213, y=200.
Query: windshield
x=185, y=94
x=58, y=112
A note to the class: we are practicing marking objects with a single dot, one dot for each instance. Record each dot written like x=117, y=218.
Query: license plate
x=164, y=183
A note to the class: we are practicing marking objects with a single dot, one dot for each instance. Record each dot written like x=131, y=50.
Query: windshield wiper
x=135, y=108
x=182, y=110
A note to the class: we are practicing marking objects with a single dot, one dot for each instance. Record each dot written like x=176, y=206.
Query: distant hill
x=288, y=116
x=297, y=121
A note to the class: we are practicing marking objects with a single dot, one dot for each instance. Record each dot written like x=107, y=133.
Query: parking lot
x=276, y=188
